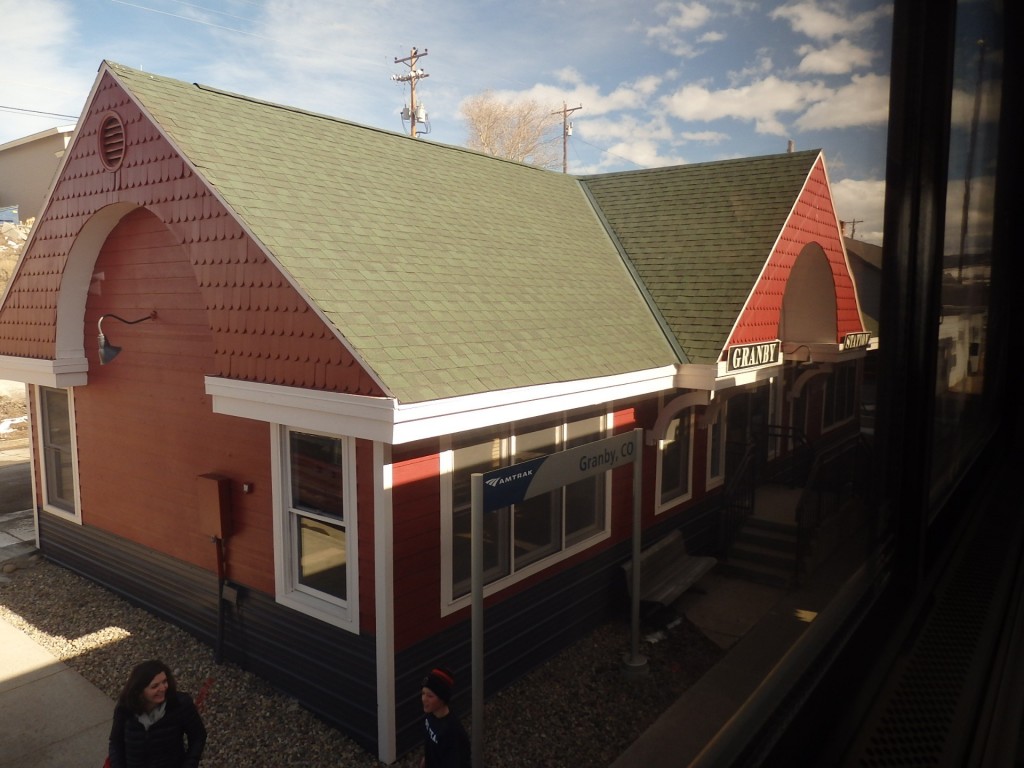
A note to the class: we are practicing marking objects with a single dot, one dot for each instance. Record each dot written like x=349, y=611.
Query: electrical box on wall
x=213, y=494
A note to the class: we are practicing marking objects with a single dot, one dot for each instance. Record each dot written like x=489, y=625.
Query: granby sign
x=743, y=356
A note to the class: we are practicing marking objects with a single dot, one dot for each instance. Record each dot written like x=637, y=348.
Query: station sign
x=858, y=340
x=511, y=485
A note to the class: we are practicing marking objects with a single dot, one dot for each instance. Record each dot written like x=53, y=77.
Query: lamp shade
x=107, y=350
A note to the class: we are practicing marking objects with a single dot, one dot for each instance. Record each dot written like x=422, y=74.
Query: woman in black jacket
x=155, y=725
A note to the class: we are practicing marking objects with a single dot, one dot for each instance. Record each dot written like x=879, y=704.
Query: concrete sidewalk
x=50, y=716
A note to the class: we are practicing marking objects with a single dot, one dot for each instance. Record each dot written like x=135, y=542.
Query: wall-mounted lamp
x=108, y=351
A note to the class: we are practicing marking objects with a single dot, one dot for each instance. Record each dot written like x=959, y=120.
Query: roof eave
x=386, y=420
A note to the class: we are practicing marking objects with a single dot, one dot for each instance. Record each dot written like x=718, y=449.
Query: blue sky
x=659, y=83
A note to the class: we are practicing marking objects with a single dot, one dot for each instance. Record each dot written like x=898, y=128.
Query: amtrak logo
x=494, y=482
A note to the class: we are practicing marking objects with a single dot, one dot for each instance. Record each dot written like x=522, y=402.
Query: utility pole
x=968, y=171
x=566, y=132
x=853, y=226
x=411, y=77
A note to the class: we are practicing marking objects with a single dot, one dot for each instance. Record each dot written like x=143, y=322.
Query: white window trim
x=776, y=400
x=449, y=604
x=74, y=516
x=663, y=506
x=841, y=422
x=715, y=481
x=287, y=592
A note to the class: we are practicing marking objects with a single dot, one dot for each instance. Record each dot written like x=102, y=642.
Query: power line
x=23, y=111
x=608, y=152
x=194, y=21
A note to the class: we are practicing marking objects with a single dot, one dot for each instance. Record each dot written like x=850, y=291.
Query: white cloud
x=711, y=37
x=704, y=137
x=760, y=102
x=30, y=25
x=837, y=59
x=963, y=105
x=761, y=66
x=644, y=153
x=682, y=18
x=862, y=203
x=627, y=96
x=865, y=101
x=618, y=129
x=36, y=36
x=824, y=20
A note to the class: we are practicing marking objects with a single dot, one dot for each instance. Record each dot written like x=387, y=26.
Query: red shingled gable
x=813, y=220
x=263, y=330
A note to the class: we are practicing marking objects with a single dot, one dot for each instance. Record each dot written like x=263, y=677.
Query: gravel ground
x=574, y=710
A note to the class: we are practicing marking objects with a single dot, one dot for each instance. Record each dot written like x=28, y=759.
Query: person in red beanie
x=445, y=743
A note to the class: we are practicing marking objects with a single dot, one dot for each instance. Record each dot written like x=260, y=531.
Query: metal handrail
x=826, y=461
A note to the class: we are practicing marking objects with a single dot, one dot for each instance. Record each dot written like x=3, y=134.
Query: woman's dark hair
x=140, y=677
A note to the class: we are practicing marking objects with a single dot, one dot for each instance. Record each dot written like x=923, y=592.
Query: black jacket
x=176, y=740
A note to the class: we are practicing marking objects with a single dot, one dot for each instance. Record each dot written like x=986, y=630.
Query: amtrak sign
x=510, y=485
x=499, y=488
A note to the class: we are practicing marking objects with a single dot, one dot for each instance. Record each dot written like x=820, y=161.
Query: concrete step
x=758, y=573
x=780, y=541
x=744, y=552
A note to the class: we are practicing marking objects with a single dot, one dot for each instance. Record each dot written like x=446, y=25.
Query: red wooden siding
x=261, y=329
x=813, y=221
x=416, y=505
x=145, y=426
x=365, y=502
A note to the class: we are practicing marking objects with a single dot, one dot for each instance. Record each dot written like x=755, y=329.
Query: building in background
x=27, y=168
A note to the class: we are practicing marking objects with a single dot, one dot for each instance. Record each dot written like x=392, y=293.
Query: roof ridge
x=121, y=68
x=703, y=164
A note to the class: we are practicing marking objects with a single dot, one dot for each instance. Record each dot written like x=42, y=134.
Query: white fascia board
x=386, y=420
x=65, y=372
x=714, y=378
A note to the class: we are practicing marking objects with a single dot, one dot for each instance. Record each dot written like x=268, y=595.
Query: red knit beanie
x=440, y=680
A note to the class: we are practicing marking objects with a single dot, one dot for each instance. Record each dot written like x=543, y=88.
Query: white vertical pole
x=635, y=664
x=476, y=535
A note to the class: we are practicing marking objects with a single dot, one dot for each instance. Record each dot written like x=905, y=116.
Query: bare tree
x=521, y=130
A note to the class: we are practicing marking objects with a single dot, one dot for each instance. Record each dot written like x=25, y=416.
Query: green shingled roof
x=699, y=235
x=448, y=272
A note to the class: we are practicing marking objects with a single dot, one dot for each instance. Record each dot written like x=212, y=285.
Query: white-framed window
x=840, y=395
x=675, y=461
x=716, y=448
x=59, y=457
x=776, y=399
x=527, y=537
x=315, y=557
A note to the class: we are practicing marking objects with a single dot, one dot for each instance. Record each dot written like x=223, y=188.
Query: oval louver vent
x=112, y=142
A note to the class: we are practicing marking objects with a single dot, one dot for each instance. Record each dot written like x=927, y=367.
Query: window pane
x=316, y=474
x=964, y=396
x=58, y=449
x=717, y=447
x=482, y=456
x=675, y=458
x=538, y=521
x=584, y=500
x=321, y=556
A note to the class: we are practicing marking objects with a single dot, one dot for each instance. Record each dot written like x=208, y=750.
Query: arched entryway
x=809, y=304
